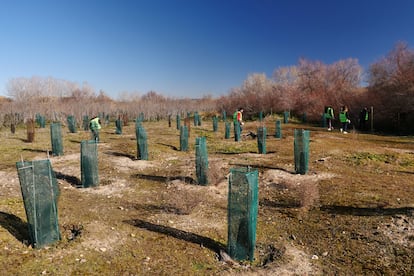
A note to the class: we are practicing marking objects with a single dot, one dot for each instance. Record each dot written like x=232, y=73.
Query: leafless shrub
x=309, y=195
x=215, y=174
x=30, y=124
x=180, y=201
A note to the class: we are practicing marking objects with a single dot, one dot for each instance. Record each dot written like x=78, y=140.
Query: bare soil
x=350, y=214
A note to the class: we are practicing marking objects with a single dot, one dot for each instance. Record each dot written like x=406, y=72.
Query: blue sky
x=190, y=48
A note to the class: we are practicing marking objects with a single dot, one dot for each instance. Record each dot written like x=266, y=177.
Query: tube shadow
x=17, y=227
x=377, y=211
x=163, y=209
x=170, y=146
x=230, y=153
x=39, y=150
x=179, y=234
x=405, y=172
x=120, y=154
x=279, y=204
x=72, y=180
x=159, y=178
x=256, y=152
x=24, y=140
x=258, y=166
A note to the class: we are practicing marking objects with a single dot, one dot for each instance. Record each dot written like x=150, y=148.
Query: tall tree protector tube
x=56, y=139
x=89, y=163
x=178, y=121
x=183, y=138
x=201, y=161
x=301, y=151
x=261, y=139
x=40, y=193
x=142, y=145
x=242, y=212
x=278, y=129
x=227, y=130
x=215, y=123
x=237, y=135
x=71, y=124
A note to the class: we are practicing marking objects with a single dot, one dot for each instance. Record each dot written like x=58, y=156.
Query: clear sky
x=190, y=48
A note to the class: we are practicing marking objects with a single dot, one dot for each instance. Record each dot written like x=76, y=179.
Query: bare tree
x=391, y=85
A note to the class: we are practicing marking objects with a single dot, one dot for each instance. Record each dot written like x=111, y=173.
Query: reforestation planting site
x=350, y=212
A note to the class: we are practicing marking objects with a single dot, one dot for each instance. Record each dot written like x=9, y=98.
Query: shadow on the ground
x=121, y=154
x=165, y=179
x=17, y=227
x=179, y=234
x=405, y=172
x=262, y=167
x=47, y=152
x=376, y=211
x=279, y=204
x=165, y=208
x=72, y=180
x=170, y=146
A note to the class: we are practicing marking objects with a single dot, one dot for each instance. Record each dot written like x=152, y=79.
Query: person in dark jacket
x=363, y=118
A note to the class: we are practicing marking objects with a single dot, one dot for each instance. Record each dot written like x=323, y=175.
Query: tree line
x=305, y=88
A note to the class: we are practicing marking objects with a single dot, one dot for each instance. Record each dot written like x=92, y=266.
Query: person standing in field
x=238, y=118
x=344, y=119
x=363, y=118
x=95, y=126
x=329, y=115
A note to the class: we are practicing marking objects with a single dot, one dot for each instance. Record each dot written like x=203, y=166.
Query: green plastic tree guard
x=40, y=120
x=142, y=145
x=40, y=193
x=278, y=132
x=286, y=117
x=237, y=134
x=227, y=130
x=224, y=115
x=215, y=124
x=178, y=120
x=89, y=163
x=261, y=139
x=118, y=125
x=242, y=213
x=56, y=139
x=184, y=138
x=71, y=124
x=301, y=150
x=201, y=161
x=196, y=118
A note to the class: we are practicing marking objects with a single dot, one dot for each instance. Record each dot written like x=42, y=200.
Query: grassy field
x=351, y=214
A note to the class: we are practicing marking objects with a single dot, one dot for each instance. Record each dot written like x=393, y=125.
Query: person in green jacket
x=329, y=115
x=95, y=126
x=344, y=119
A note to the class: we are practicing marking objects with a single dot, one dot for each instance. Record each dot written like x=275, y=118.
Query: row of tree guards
x=40, y=188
